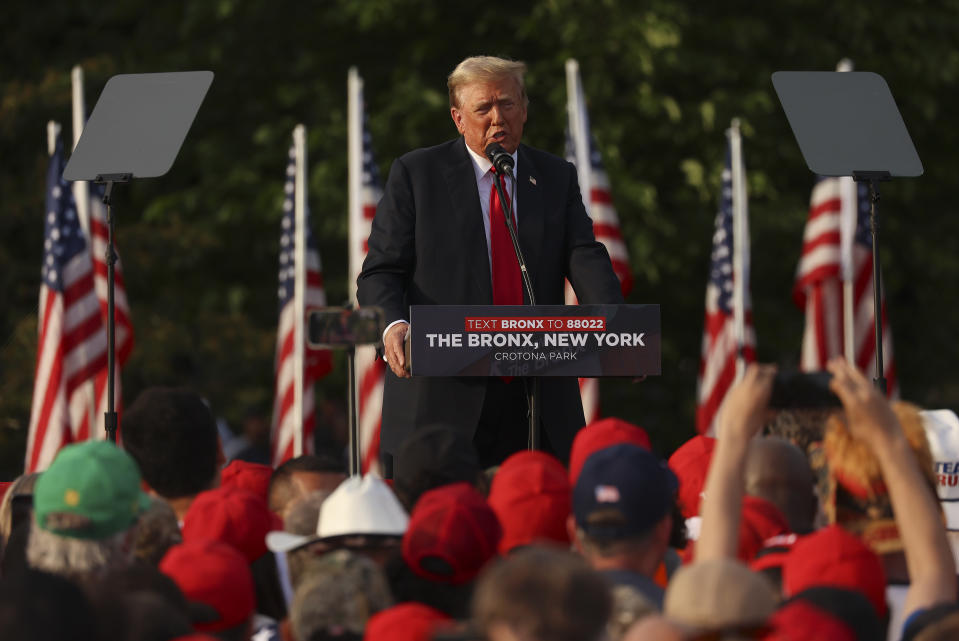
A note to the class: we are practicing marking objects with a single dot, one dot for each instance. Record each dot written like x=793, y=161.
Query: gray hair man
x=440, y=237
x=86, y=506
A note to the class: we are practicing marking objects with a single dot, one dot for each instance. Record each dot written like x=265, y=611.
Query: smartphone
x=802, y=390
x=341, y=326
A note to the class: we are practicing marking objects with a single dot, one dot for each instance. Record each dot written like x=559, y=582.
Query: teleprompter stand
x=847, y=124
x=135, y=131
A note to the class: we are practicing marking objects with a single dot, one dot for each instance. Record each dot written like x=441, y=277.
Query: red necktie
x=507, y=283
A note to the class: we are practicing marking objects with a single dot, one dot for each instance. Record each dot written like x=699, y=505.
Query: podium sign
x=545, y=340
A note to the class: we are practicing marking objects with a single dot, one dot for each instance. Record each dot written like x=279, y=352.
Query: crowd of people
x=756, y=534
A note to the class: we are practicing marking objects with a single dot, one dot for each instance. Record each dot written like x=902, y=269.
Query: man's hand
x=740, y=418
x=932, y=570
x=867, y=410
x=743, y=412
x=394, y=351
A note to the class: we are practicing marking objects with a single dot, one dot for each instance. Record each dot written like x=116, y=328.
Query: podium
x=542, y=340
x=533, y=341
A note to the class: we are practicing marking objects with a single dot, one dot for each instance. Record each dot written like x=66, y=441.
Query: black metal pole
x=532, y=387
x=874, y=178
x=880, y=380
x=354, y=434
x=110, y=416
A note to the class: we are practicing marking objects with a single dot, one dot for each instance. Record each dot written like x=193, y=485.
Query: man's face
x=490, y=111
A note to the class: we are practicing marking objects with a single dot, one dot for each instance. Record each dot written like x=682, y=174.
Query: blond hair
x=485, y=69
x=854, y=460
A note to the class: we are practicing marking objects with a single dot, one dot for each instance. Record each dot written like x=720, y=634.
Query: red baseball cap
x=774, y=552
x=761, y=520
x=834, y=557
x=800, y=620
x=254, y=477
x=531, y=496
x=214, y=574
x=233, y=516
x=599, y=435
x=452, y=534
x=405, y=622
x=690, y=464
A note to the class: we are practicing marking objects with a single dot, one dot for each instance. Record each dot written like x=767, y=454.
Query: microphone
x=501, y=159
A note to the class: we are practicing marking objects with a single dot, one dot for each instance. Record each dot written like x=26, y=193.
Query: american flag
x=600, y=208
x=72, y=345
x=581, y=150
x=365, y=192
x=819, y=287
x=316, y=363
x=720, y=348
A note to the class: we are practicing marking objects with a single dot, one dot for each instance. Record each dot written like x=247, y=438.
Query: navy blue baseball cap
x=622, y=492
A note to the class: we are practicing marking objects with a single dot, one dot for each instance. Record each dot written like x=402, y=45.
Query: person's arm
x=389, y=263
x=740, y=418
x=932, y=570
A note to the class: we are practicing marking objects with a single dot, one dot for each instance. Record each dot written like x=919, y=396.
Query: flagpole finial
x=53, y=130
x=734, y=130
x=734, y=126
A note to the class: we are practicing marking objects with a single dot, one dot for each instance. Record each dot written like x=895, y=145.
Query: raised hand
x=867, y=410
x=743, y=412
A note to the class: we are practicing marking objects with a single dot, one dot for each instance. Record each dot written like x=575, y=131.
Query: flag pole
x=81, y=188
x=354, y=89
x=848, y=214
x=299, y=286
x=578, y=129
x=740, y=244
x=578, y=132
x=53, y=130
x=81, y=194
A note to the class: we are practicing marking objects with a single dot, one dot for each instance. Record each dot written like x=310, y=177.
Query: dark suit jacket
x=428, y=246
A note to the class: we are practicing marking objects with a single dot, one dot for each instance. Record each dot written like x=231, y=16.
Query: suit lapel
x=461, y=181
x=530, y=214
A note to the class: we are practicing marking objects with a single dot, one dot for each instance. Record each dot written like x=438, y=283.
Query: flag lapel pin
x=532, y=180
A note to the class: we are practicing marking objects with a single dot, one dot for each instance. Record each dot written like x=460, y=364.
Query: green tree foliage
x=663, y=79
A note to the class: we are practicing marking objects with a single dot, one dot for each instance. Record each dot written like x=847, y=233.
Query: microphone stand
x=532, y=388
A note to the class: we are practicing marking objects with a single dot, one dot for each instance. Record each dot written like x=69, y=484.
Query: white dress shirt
x=484, y=182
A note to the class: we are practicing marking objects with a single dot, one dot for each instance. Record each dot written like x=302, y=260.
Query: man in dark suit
x=435, y=240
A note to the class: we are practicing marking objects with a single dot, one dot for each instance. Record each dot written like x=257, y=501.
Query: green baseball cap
x=90, y=491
